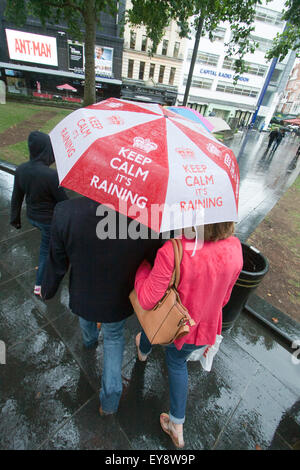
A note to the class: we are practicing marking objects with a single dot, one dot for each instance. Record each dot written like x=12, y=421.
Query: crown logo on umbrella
x=185, y=152
x=144, y=144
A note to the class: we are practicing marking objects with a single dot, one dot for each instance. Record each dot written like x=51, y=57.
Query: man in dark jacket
x=279, y=138
x=39, y=184
x=272, y=137
x=102, y=264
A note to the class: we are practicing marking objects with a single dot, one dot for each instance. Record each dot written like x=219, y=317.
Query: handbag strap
x=178, y=252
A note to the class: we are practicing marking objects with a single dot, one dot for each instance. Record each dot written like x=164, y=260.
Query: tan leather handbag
x=169, y=319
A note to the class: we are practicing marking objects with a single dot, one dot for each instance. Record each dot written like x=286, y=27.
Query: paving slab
x=41, y=387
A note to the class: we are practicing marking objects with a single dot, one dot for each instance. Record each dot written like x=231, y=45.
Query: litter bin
x=255, y=267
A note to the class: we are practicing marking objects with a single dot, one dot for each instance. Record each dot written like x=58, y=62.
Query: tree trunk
x=90, y=38
x=194, y=56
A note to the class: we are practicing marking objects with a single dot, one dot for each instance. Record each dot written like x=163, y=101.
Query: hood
x=40, y=148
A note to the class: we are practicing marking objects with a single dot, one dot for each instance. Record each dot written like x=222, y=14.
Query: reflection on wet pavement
x=49, y=385
x=264, y=176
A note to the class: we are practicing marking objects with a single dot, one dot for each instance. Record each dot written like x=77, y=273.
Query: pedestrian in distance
x=272, y=137
x=102, y=272
x=39, y=184
x=278, y=140
x=206, y=282
x=294, y=161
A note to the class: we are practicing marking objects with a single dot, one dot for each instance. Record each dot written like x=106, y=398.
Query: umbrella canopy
x=148, y=163
x=219, y=124
x=192, y=114
x=67, y=87
x=295, y=121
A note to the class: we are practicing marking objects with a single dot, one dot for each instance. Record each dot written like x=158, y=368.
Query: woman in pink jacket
x=207, y=277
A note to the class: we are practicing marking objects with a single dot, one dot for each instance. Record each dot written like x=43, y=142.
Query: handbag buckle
x=182, y=322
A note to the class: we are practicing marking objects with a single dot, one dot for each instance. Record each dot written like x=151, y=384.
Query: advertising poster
x=103, y=61
x=28, y=47
x=76, y=57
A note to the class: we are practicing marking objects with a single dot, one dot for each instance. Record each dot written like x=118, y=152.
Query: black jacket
x=37, y=182
x=102, y=270
x=273, y=135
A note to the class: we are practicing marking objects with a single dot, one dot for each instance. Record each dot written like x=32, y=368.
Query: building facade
x=35, y=60
x=152, y=78
x=290, y=102
x=213, y=91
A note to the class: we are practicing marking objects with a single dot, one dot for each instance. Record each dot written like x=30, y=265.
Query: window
x=238, y=89
x=165, y=47
x=264, y=44
x=161, y=74
x=253, y=69
x=130, y=68
x=268, y=16
x=151, y=70
x=199, y=82
x=172, y=75
x=176, y=49
x=132, y=39
x=144, y=43
x=276, y=75
x=142, y=70
x=204, y=58
x=201, y=108
x=218, y=34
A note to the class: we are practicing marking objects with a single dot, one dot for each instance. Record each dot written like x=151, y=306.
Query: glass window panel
x=132, y=39
x=151, y=70
x=176, y=49
x=161, y=74
x=130, y=68
x=142, y=70
x=172, y=75
x=165, y=47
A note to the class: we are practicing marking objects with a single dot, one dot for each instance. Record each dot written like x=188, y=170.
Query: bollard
x=255, y=267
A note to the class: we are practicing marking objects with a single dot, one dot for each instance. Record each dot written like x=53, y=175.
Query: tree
x=81, y=18
x=289, y=39
x=206, y=15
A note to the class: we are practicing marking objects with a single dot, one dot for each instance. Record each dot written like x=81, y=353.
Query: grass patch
x=61, y=114
x=17, y=153
x=13, y=114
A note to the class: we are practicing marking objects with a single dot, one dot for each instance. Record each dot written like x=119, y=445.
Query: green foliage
x=72, y=12
x=289, y=39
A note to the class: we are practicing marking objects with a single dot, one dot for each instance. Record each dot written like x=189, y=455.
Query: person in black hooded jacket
x=39, y=184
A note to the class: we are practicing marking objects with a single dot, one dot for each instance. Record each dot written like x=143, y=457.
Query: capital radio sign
x=28, y=47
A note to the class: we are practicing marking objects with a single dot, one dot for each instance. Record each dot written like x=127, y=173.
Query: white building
x=213, y=90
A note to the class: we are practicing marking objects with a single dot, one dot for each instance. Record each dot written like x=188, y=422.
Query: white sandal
x=37, y=290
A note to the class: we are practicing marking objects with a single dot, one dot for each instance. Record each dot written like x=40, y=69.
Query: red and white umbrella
x=67, y=87
x=148, y=163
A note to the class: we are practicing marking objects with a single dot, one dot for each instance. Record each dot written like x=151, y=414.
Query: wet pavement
x=49, y=385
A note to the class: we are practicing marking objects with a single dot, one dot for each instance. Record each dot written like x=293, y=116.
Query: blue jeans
x=177, y=373
x=45, y=230
x=113, y=348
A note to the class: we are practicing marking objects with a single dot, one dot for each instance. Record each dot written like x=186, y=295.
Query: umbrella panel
x=157, y=163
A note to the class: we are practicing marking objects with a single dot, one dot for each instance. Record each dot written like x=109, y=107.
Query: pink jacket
x=206, y=282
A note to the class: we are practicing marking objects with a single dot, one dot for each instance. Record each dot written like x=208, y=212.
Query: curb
x=8, y=167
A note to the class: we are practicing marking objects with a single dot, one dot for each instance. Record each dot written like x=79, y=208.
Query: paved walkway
x=49, y=385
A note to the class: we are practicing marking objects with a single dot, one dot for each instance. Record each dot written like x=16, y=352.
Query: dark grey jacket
x=38, y=183
x=102, y=272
